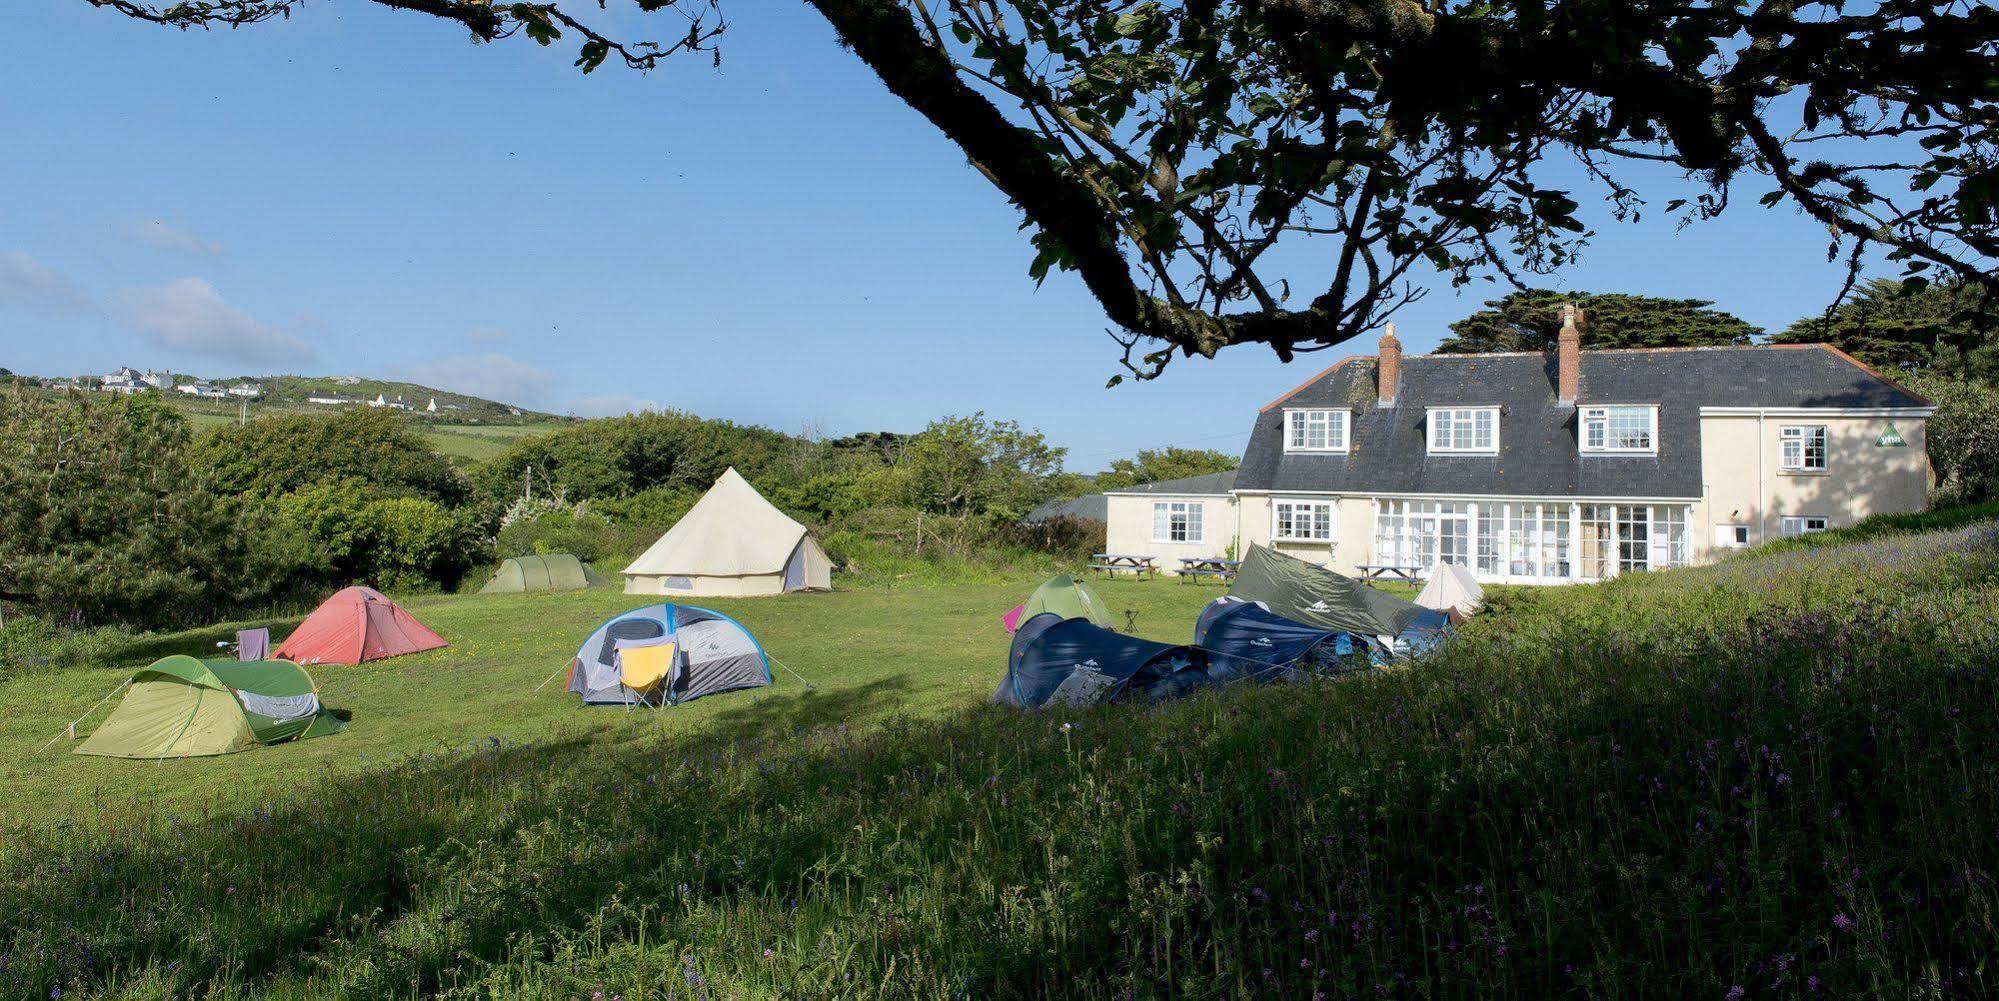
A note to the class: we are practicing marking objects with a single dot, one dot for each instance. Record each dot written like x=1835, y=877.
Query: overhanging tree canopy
x=1161, y=150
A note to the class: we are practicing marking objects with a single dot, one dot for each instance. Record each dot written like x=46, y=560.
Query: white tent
x=1452, y=589
x=732, y=543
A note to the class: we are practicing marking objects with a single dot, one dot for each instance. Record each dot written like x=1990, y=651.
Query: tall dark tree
x=1529, y=321
x=1162, y=150
x=1888, y=325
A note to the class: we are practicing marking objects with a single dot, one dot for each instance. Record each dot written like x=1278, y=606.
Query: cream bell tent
x=732, y=543
x=1452, y=589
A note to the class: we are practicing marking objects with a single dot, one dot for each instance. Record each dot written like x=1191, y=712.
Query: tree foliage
x=103, y=519
x=1170, y=463
x=276, y=455
x=1891, y=326
x=1529, y=320
x=1963, y=435
x=1164, y=150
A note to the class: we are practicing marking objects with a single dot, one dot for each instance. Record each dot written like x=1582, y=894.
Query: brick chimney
x=1388, y=374
x=1569, y=357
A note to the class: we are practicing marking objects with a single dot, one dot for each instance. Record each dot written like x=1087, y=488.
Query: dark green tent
x=1316, y=596
x=181, y=707
x=549, y=572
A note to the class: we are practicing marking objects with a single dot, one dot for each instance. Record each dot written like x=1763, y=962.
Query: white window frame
x=1801, y=435
x=1794, y=525
x=1455, y=415
x=1602, y=415
x=1193, y=522
x=1731, y=535
x=1297, y=429
x=1277, y=519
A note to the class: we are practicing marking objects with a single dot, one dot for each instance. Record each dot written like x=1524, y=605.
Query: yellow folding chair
x=644, y=669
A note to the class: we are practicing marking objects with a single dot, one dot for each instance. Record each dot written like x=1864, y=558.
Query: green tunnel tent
x=1316, y=596
x=181, y=707
x=550, y=572
x=1065, y=596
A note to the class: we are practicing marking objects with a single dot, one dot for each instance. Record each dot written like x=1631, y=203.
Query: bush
x=278, y=455
x=102, y=520
x=394, y=543
x=1963, y=436
x=30, y=645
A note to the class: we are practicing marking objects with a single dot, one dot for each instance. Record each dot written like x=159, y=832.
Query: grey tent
x=551, y=572
x=712, y=653
x=1316, y=596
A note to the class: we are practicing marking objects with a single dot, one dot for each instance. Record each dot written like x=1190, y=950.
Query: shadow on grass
x=778, y=714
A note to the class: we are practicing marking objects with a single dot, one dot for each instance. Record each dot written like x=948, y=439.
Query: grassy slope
x=871, y=652
x=471, y=443
x=1772, y=776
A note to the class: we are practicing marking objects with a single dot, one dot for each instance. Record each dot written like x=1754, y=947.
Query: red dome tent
x=356, y=625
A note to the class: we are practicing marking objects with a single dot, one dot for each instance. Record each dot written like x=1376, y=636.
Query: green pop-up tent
x=1065, y=596
x=551, y=572
x=1316, y=596
x=181, y=707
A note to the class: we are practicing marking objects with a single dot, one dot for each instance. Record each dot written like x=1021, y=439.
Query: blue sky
x=778, y=241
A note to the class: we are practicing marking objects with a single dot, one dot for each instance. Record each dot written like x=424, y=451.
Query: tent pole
x=71, y=728
x=787, y=670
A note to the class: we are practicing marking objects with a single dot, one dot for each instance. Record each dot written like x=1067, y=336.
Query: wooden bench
x=1372, y=572
x=1198, y=567
x=1112, y=564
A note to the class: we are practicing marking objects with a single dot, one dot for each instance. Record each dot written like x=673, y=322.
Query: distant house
x=432, y=408
x=382, y=400
x=246, y=390
x=202, y=388
x=330, y=399
x=1544, y=468
x=122, y=380
x=157, y=380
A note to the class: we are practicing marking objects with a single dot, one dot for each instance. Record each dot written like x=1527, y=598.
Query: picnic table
x=1197, y=567
x=1112, y=564
x=1372, y=572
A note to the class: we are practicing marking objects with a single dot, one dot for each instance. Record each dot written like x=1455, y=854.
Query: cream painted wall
x=1353, y=531
x=1740, y=462
x=1128, y=528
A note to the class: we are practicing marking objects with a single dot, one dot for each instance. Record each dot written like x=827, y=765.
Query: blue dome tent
x=1075, y=661
x=1270, y=647
x=710, y=653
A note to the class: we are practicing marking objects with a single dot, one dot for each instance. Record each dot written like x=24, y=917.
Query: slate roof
x=1538, y=457
x=1207, y=484
x=1089, y=507
x=1096, y=507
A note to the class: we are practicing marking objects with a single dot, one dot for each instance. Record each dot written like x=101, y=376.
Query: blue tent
x=1426, y=632
x=1077, y=662
x=713, y=653
x=1270, y=647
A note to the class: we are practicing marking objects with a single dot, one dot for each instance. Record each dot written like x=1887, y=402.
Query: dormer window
x=1464, y=430
x=1629, y=429
x=1315, y=430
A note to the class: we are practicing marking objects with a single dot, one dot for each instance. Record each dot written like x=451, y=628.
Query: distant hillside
x=296, y=391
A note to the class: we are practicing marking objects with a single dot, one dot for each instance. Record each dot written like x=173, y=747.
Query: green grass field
x=1769, y=777
x=871, y=653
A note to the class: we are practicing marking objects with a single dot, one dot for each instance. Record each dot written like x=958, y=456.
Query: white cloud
x=24, y=279
x=610, y=406
x=491, y=375
x=485, y=335
x=190, y=315
x=167, y=236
